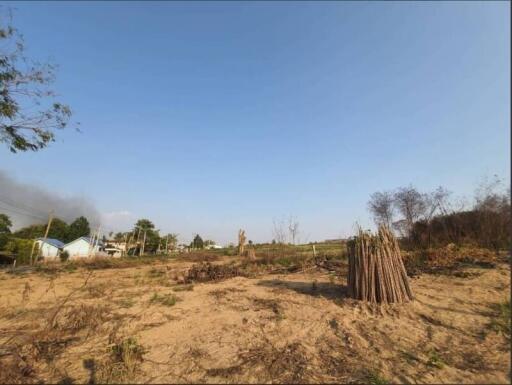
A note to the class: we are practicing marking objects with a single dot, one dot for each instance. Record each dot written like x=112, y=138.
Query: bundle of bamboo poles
x=376, y=272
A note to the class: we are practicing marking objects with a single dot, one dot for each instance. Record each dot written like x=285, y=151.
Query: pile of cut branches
x=204, y=272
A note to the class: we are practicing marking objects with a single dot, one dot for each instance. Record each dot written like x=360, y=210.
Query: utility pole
x=132, y=236
x=97, y=239
x=50, y=219
x=91, y=243
x=32, y=252
x=138, y=236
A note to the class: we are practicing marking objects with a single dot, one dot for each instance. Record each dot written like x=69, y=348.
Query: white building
x=214, y=246
x=119, y=245
x=83, y=247
x=49, y=247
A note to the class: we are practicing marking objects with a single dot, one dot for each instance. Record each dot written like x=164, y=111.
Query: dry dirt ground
x=136, y=325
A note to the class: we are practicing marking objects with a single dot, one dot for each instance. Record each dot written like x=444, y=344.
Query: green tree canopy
x=78, y=228
x=29, y=114
x=197, y=243
x=58, y=230
x=144, y=224
x=5, y=224
x=5, y=229
x=152, y=235
x=119, y=237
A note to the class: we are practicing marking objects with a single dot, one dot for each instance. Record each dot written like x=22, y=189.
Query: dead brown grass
x=281, y=327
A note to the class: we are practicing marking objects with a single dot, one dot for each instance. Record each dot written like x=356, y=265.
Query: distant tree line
x=20, y=242
x=144, y=232
x=424, y=220
x=59, y=229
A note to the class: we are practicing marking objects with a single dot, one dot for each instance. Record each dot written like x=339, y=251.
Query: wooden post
x=32, y=252
x=143, y=243
x=241, y=241
x=50, y=219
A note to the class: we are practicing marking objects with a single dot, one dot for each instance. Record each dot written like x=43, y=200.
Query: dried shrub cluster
x=199, y=256
x=448, y=259
x=122, y=363
x=205, y=272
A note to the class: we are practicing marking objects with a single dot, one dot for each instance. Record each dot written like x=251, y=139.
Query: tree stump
x=251, y=254
x=376, y=271
x=241, y=242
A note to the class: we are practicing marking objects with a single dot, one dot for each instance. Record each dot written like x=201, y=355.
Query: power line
x=23, y=206
x=21, y=212
x=28, y=211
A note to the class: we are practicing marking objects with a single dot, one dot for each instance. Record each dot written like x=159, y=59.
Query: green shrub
x=435, y=360
x=501, y=321
x=165, y=300
x=21, y=248
x=375, y=378
x=64, y=256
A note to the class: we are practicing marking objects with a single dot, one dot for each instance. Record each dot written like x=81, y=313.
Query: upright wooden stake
x=32, y=251
x=143, y=243
x=50, y=219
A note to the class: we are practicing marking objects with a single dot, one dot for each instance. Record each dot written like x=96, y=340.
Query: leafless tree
x=411, y=205
x=279, y=231
x=293, y=228
x=401, y=227
x=492, y=204
x=381, y=207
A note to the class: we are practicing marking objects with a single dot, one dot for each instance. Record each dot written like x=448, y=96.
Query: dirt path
x=274, y=328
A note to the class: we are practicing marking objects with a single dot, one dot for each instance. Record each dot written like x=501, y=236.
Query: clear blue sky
x=207, y=117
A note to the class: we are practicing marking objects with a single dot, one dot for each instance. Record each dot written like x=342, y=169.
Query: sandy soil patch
x=138, y=325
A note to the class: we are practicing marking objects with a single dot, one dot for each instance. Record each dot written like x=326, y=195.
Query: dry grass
x=294, y=328
x=205, y=272
x=188, y=287
x=501, y=320
x=81, y=317
x=122, y=363
x=164, y=300
x=448, y=260
x=199, y=256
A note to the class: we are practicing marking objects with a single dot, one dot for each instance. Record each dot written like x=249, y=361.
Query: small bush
x=188, y=287
x=155, y=273
x=122, y=365
x=21, y=248
x=435, y=360
x=127, y=350
x=501, y=321
x=165, y=300
x=64, y=256
x=375, y=378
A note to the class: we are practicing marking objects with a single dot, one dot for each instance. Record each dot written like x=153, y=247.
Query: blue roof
x=51, y=241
